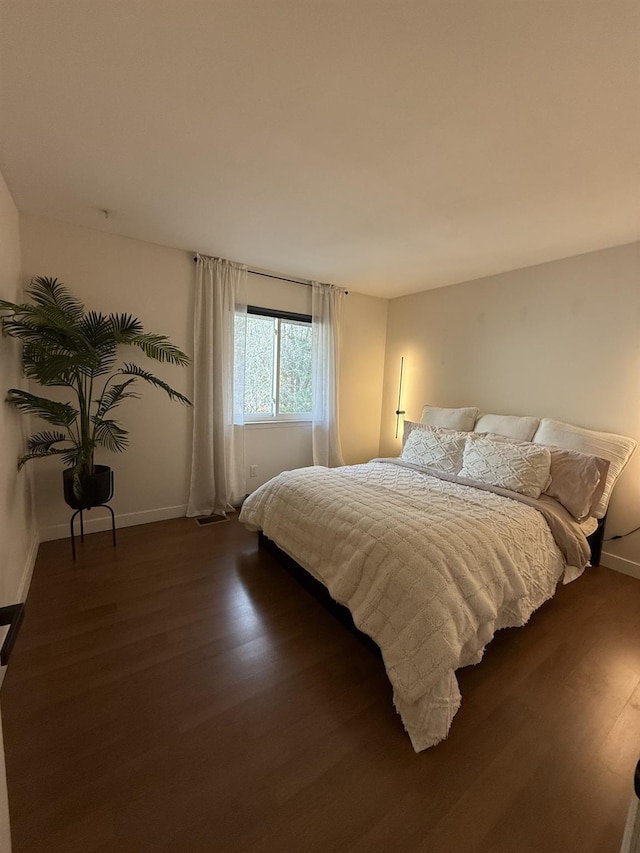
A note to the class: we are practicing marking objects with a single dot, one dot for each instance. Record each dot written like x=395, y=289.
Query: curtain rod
x=278, y=277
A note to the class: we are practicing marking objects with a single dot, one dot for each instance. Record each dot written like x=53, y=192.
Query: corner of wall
x=18, y=529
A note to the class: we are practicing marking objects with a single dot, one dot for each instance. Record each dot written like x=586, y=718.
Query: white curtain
x=326, y=324
x=220, y=314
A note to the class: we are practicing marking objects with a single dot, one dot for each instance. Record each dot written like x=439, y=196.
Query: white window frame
x=278, y=417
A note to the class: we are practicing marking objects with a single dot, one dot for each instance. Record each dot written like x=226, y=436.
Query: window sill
x=272, y=423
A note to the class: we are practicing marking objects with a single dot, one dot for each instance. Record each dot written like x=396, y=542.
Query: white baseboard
x=103, y=521
x=621, y=564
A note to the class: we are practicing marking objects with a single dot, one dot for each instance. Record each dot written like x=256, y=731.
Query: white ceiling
x=389, y=146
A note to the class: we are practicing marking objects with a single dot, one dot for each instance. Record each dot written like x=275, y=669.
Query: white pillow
x=460, y=419
x=433, y=447
x=408, y=427
x=512, y=426
x=616, y=448
x=522, y=468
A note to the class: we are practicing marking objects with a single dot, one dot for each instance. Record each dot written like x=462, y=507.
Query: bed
x=431, y=561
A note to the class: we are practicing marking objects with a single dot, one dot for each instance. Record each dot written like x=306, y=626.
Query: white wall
x=111, y=273
x=363, y=351
x=17, y=528
x=560, y=340
x=18, y=534
x=156, y=283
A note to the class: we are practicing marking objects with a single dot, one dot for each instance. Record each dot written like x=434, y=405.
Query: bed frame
x=342, y=613
x=595, y=541
x=317, y=589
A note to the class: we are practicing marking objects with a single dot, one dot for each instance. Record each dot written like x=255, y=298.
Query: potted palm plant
x=66, y=346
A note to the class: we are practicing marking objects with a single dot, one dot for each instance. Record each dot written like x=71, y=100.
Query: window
x=277, y=366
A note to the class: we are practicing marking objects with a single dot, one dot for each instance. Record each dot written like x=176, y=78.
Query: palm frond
x=50, y=292
x=47, y=315
x=96, y=329
x=42, y=441
x=58, y=414
x=15, y=307
x=101, y=343
x=32, y=326
x=114, y=396
x=160, y=348
x=48, y=365
x=110, y=434
x=69, y=456
x=125, y=327
x=131, y=369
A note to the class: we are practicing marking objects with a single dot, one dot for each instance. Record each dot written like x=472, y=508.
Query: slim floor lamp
x=400, y=411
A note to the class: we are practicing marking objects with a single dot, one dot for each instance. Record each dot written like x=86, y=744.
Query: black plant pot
x=92, y=489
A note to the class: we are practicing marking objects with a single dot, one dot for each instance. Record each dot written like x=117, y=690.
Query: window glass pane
x=295, y=367
x=259, y=366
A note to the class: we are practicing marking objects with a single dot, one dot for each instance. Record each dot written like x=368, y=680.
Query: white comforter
x=429, y=569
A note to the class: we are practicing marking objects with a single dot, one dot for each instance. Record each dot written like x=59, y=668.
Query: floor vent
x=210, y=519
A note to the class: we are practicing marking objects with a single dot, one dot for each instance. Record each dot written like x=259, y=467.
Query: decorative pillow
x=607, y=445
x=460, y=419
x=520, y=467
x=512, y=426
x=408, y=427
x=435, y=448
x=576, y=480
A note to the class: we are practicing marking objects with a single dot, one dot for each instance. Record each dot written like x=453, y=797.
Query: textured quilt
x=429, y=569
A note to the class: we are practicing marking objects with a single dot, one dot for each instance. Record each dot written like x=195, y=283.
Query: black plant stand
x=80, y=512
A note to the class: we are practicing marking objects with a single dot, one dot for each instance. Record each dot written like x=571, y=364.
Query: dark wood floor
x=183, y=693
